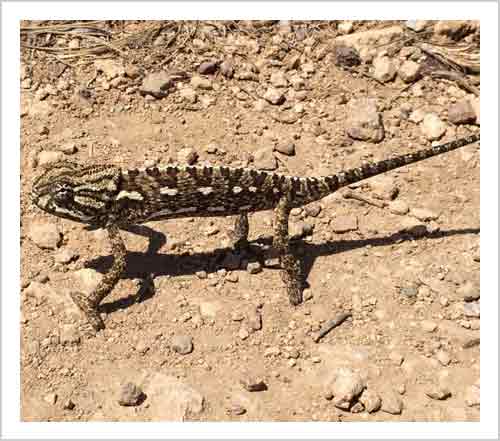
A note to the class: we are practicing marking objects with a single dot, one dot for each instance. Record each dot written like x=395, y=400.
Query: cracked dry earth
x=197, y=332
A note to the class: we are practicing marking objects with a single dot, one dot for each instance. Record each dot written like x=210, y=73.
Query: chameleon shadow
x=146, y=266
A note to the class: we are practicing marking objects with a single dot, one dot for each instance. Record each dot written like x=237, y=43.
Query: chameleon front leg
x=239, y=235
x=291, y=273
x=88, y=305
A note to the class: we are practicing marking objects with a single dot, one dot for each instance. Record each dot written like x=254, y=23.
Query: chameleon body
x=105, y=196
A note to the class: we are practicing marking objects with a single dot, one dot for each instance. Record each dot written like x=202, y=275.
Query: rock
x=396, y=358
x=409, y=71
x=383, y=69
x=346, y=387
x=312, y=210
x=254, y=267
x=413, y=226
x=274, y=96
x=50, y=398
x=469, y=292
x=182, y=344
x=278, y=79
x=235, y=410
x=227, y=69
x=157, y=84
x=473, y=396
x=371, y=38
x=346, y=27
x=416, y=25
x=131, y=395
x=297, y=82
x=243, y=333
x=438, y=392
x=68, y=334
x=252, y=384
x=428, y=325
x=432, y=127
x=392, y=403
x=170, y=399
x=68, y=404
x=188, y=95
x=472, y=309
x=370, y=400
x=255, y=321
x=343, y=224
x=461, y=112
x=264, y=159
x=286, y=148
x=476, y=107
x=456, y=29
x=41, y=94
x=398, y=207
x=384, y=187
x=423, y=214
x=308, y=68
x=443, y=357
x=364, y=122
x=87, y=279
x=417, y=116
x=66, y=255
x=49, y=157
x=201, y=83
x=69, y=148
x=187, y=155
x=301, y=229
x=209, y=309
x=110, y=68
x=45, y=235
x=208, y=67
x=408, y=291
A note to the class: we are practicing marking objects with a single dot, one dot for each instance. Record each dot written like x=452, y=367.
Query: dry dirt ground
x=195, y=331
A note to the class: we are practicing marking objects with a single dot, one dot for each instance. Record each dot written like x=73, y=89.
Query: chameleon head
x=80, y=193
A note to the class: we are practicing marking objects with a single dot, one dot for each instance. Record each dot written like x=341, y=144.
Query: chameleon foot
x=292, y=278
x=88, y=310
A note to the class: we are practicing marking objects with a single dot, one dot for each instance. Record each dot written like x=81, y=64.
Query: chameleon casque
x=106, y=196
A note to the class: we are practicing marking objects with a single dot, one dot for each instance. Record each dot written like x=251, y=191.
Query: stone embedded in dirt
x=428, y=325
x=474, y=101
x=443, y=357
x=66, y=255
x=398, y=207
x=408, y=291
x=187, y=155
x=456, y=29
x=49, y=157
x=472, y=309
x=209, y=309
x=253, y=384
x=236, y=410
x=243, y=333
x=254, y=267
x=344, y=223
x=473, y=396
x=254, y=321
x=312, y=210
x=372, y=37
x=308, y=68
x=246, y=75
x=68, y=334
x=110, y=68
x=157, y=84
x=188, y=94
x=131, y=395
x=413, y=226
x=357, y=407
x=438, y=392
x=433, y=127
x=274, y=96
x=469, y=292
x=423, y=214
x=370, y=400
x=68, y=404
x=87, y=279
x=384, y=69
x=461, y=112
x=409, y=71
x=346, y=387
x=263, y=159
x=298, y=230
x=297, y=82
x=391, y=403
x=416, y=25
x=227, y=69
x=417, y=116
x=346, y=56
x=182, y=344
x=68, y=148
x=364, y=122
x=208, y=67
x=50, y=398
x=345, y=27
x=45, y=235
x=201, y=83
x=384, y=187
x=278, y=79
x=286, y=148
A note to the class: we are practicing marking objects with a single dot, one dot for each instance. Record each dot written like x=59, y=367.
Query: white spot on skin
x=134, y=195
x=169, y=191
x=237, y=190
x=252, y=189
x=187, y=210
x=245, y=207
x=205, y=190
x=218, y=208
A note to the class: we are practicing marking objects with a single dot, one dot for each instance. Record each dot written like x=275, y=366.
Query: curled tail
x=317, y=188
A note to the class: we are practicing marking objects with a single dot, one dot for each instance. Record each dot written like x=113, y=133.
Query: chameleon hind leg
x=89, y=304
x=239, y=235
x=291, y=273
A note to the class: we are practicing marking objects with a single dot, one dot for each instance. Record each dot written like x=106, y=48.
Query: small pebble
x=253, y=384
x=182, y=344
x=130, y=395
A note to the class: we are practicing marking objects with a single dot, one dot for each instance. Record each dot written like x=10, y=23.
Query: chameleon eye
x=63, y=196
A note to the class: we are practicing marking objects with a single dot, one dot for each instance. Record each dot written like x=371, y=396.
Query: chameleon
x=109, y=197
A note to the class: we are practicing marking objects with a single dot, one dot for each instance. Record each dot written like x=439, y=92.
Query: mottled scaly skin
x=105, y=196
